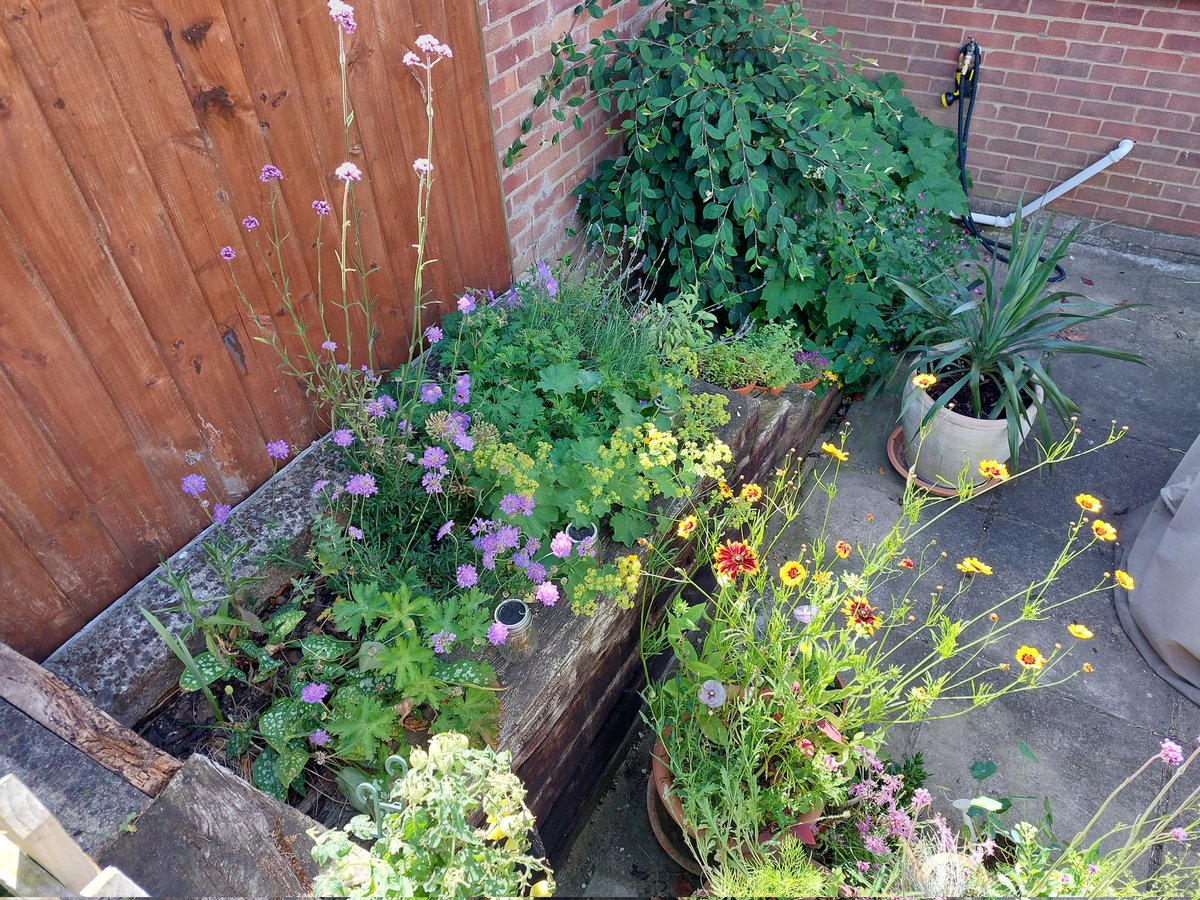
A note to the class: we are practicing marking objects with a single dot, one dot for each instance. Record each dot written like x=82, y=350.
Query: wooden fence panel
x=133, y=135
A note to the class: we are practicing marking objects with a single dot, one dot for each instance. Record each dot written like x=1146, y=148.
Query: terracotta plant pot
x=809, y=385
x=746, y=390
x=953, y=441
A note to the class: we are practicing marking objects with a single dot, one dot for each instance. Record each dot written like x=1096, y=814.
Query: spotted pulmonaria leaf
x=264, y=775
x=210, y=667
x=288, y=765
x=284, y=623
x=324, y=647
x=464, y=672
x=281, y=723
x=266, y=662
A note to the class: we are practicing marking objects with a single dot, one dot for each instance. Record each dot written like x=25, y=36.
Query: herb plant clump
x=775, y=178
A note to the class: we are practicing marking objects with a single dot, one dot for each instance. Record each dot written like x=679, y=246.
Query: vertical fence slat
x=34, y=614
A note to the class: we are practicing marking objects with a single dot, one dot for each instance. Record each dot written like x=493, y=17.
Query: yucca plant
x=1002, y=334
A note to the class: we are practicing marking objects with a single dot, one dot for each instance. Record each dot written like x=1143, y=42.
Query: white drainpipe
x=1118, y=153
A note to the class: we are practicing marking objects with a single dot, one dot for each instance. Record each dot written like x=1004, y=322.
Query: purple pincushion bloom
x=319, y=738
x=514, y=504
x=442, y=640
x=462, y=390
x=329, y=345
x=343, y=437
x=319, y=485
x=376, y=408
x=497, y=634
x=432, y=482
x=228, y=253
x=712, y=694
x=321, y=206
x=1171, y=752
x=434, y=458
x=446, y=528
x=561, y=545
x=362, y=485
x=536, y=572
x=314, y=692
x=249, y=223
x=433, y=334
x=431, y=393
x=221, y=513
x=466, y=576
x=193, y=484
x=278, y=449
x=804, y=614
x=355, y=532
x=270, y=173
x=1179, y=835
x=547, y=593
x=466, y=305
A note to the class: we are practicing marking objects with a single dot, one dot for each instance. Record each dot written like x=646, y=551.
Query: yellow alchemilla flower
x=923, y=381
x=792, y=573
x=686, y=526
x=1080, y=632
x=1124, y=579
x=1103, y=531
x=836, y=452
x=752, y=493
x=973, y=566
x=1029, y=657
x=1088, y=503
x=993, y=470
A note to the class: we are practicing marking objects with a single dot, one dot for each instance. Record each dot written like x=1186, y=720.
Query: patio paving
x=1093, y=731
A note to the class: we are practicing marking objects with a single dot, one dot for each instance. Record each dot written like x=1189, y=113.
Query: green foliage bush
x=773, y=176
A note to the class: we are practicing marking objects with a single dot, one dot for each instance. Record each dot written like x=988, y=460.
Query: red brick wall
x=537, y=190
x=1062, y=82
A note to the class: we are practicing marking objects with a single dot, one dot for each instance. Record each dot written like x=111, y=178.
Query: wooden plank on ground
x=30, y=826
x=112, y=882
x=46, y=699
x=22, y=877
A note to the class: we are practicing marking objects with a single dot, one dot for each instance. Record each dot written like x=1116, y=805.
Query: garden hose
x=966, y=86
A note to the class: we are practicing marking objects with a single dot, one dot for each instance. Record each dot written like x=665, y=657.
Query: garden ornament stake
x=369, y=792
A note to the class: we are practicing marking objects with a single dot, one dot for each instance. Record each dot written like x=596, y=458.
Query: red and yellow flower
x=843, y=549
x=686, y=526
x=1103, y=531
x=1124, y=579
x=993, y=470
x=905, y=563
x=1088, y=503
x=791, y=573
x=923, y=381
x=1029, y=657
x=861, y=616
x=751, y=493
x=734, y=558
x=973, y=566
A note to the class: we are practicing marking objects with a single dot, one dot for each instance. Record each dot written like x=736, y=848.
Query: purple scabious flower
x=329, y=345
x=193, y=484
x=550, y=282
x=536, y=572
x=466, y=305
x=431, y=393
x=278, y=449
x=270, y=173
x=433, y=334
x=462, y=390
x=520, y=560
x=432, y=482
x=319, y=738
x=514, y=504
x=343, y=437
x=343, y=14
x=376, y=408
x=348, y=172
x=446, y=528
x=434, y=458
x=712, y=694
x=466, y=576
x=221, y=513
x=804, y=614
x=228, y=253
x=355, y=532
x=1179, y=835
x=362, y=485
x=532, y=546
x=463, y=441
x=319, y=485
x=249, y=223
x=321, y=207
x=497, y=634
x=314, y=692
x=508, y=537
x=921, y=798
x=1171, y=752
x=442, y=640
x=561, y=545
x=547, y=593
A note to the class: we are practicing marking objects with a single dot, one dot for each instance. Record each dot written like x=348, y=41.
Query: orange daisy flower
x=1088, y=503
x=734, y=558
x=1124, y=579
x=1030, y=658
x=1103, y=531
x=993, y=470
x=843, y=549
x=861, y=616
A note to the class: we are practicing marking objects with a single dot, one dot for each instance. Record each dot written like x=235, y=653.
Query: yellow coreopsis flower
x=993, y=470
x=686, y=526
x=1030, y=658
x=923, y=381
x=821, y=578
x=1088, y=503
x=973, y=566
x=1103, y=531
x=843, y=549
x=751, y=493
x=1124, y=579
x=792, y=573
x=836, y=452
x=1080, y=632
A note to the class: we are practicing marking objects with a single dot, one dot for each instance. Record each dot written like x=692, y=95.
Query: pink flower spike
x=427, y=43
x=1171, y=752
x=422, y=166
x=348, y=172
x=411, y=59
x=343, y=14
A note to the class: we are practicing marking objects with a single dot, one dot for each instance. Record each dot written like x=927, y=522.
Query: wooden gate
x=132, y=135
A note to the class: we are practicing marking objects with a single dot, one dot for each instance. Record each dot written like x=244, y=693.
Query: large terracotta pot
x=953, y=441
